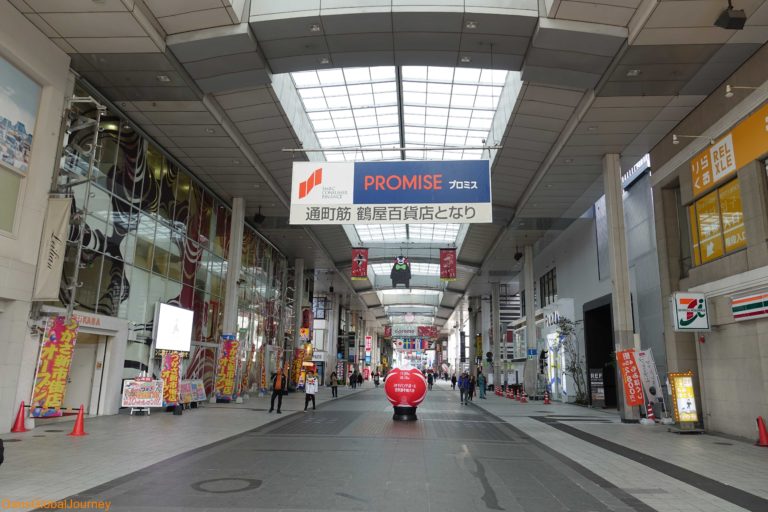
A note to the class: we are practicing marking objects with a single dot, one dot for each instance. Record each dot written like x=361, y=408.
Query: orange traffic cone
x=524, y=398
x=763, y=434
x=79, y=429
x=546, y=398
x=18, y=425
x=649, y=412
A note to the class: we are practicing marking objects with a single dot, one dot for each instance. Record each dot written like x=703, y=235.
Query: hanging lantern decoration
x=359, y=264
x=448, y=264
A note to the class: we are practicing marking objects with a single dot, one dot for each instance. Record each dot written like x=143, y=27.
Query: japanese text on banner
x=633, y=387
x=53, y=367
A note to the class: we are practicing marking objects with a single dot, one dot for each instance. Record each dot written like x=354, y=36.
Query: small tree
x=575, y=365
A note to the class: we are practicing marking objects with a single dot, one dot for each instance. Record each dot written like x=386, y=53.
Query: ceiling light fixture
x=676, y=138
x=325, y=60
x=729, y=89
x=163, y=78
x=633, y=72
x=236, y=162
x=315, y=27
x=210, y=130
x=569, y=160
x=731, y=19
x=471, y=25
x=466, y=60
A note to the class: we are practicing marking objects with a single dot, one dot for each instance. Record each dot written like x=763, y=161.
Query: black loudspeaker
x=731, y=19
x=258, y=218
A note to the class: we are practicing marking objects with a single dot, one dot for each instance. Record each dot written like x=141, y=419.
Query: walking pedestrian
x=481, y=384
x=360, y=379
x=279, y=385
x=430, y=381
x=353, y=379
x=472, y=385
x=376, y=379
x=334, y=385
x=462, y=389
x=453, y=381
x=310, y=388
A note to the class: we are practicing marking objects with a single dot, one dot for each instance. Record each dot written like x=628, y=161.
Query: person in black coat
x=279, y=386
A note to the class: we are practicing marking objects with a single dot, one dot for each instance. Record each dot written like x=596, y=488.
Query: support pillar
x=621, y=304
x=298, y=296
x=496, y=333
x=234, y=262
x=473, y=331
x=531, y=339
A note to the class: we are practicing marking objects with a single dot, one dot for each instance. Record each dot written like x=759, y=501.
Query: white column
x=621, y=303
x=233, y=265
x=530, y=300
x=473, y=330
x=298, y=295
x=496, y=334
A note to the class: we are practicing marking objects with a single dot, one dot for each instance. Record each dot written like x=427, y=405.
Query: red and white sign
x=630, y=375
x=448, y=264
x=359, y=264
x=405, y=388
x=368, y=342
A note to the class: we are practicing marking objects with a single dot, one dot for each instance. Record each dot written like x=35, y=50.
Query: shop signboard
x=428, y=331
x=368, y=343
x=650, y=376
x=683, y=397
x=689, y=311
x=710, y=232
x=227, y=367
x=747, y=141
x=732, y=213
x=405, y=330
x=142, y=393
x=398, y=192
x=185, y=392
x=198, y=390
x=53, y=367
x=596, y=384
x=630, y=376
x=750, y=307
x=171, y=374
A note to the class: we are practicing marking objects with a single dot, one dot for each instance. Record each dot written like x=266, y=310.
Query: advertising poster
x=683, y=397
x=185, y=392
x=227, y=367
x=630, y=376
x=402, y=192
x=448, y=264
x=198, y=391
x=359, y=264
x=596, y=385
x=140, y=394
x=710, y=230
x=19, y=102
x=53, y=367
x=171, y=375
x=732, y=212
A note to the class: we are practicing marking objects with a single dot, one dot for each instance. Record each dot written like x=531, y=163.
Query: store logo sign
x=690, y=312
x=306, y=186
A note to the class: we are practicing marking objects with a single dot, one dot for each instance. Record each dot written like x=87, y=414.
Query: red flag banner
x=359, y=264
x=387, y=331
x=633, y=387
x=448, y=264
x=428, y=331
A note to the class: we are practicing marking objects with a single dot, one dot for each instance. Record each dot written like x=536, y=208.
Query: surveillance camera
x=518, y=256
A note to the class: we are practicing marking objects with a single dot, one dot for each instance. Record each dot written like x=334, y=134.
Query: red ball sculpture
x=405, y=390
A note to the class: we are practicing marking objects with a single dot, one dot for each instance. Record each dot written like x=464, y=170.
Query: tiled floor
x=495, y=454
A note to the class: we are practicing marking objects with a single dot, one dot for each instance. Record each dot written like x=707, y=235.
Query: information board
x=140, y=394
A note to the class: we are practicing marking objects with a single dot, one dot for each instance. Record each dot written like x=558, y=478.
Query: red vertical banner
x=387, y=331
x=630, y=376
x=448, y=264
x=53, y=367
x=227, y=368
x=171, y=375
x=359, y=264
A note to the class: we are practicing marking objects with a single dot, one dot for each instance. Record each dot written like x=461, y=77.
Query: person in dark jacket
x=334, y=385
x=430, y=381
x=453, y=381
x=360, y=379
x=279, y=385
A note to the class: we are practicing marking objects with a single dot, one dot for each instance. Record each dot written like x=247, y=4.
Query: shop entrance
x=82, y=385
x=598, y=338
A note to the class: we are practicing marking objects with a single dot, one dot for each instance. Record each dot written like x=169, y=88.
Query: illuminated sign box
x=399, y=192
x=173, y=328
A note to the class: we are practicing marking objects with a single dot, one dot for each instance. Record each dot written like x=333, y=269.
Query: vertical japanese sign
x=227, y=368
x=710, y=232
x=650, y=376
x=630, y=376
x=53, y=367
x=683, y=397
x=448, y=264
x=747, y=141
x=262, y=370
x=171, y=375
x=732, y=213
x=359, y=264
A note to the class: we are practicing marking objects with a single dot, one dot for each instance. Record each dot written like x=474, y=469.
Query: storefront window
x=717, y=224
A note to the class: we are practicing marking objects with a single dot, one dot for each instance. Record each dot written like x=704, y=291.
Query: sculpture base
x=404, y=414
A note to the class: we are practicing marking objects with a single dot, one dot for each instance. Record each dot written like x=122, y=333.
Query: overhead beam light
x=466, y=60
x=676, y=138
x=731, y=19
x=470, y=24
x=315, y=27
x=163, y=78
x=729, y=89
x=633, y=72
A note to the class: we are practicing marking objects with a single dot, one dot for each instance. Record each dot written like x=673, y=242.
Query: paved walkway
x=494, y=454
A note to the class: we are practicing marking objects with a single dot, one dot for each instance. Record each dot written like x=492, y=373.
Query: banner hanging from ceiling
x=399, y=192
x=448, y=264
x=359, y=264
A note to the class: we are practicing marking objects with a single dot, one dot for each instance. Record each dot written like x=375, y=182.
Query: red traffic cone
x=649, y=412
x=546, y=398
x=763, y=434
x=510, y=394
x=517, y=394
x=18, y=425
x=79, y=429
x=524, y=398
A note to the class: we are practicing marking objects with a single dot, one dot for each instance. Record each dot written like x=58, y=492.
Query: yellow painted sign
x=683, y=397
x=694, y=235
x=747, y=141
x=710, y=230
x=732, y=213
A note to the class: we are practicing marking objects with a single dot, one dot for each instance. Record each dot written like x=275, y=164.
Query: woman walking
x=334, y=385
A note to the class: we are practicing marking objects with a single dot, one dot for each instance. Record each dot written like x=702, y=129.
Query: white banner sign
x=50, y=260
x=405, y=331
x=649, y=375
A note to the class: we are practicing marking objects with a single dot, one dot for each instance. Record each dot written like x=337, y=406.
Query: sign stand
x=684, y=403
